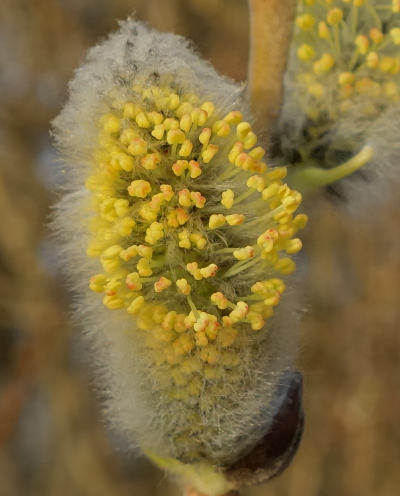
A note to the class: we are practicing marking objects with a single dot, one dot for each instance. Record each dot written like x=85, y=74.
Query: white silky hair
x=125, y=374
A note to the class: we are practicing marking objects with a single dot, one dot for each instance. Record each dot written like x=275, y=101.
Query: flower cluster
x=192, y=229
x=185, y=235
x=344, y=76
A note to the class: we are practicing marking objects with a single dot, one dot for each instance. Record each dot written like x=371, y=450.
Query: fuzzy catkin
x=342, y=92
x=224, y=402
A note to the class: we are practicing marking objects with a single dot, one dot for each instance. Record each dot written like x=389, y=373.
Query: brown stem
x=271, y=23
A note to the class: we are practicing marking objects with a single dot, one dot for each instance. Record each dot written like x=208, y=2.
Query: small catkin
x=343, y=93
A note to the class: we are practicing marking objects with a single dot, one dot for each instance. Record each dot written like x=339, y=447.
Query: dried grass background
x=53, y=441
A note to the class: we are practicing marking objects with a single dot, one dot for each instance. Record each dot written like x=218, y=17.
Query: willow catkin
x=179, y=240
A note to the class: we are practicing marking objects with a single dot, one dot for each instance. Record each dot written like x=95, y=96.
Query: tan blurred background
x=53, y=441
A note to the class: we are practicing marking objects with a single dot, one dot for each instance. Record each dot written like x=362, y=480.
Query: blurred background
x=53, y=441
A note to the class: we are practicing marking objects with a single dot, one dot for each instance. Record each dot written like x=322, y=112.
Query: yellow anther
x=175, y=136
x=136, y=305
x=250, y=140
x=305, y=22
x=113, y=302
x=97, y=283
x=128, y=135
x=305, y=52
x=145, y=251
x=184, y=239
x=167, y=191
x=324, y=64
x=186, y=148
x=173, y=101
x=359, y=3
x=158, y=131
x=168, y=322
x=181, y=216
x=236, y=150
x=242, y=130
x=184, y=198
x=300, y=221
x=121, y=207
x=186, y=122
x=147, y=212
x=131, y=110
x=256, y=182
x=376, y=35
x=172, y=220
x=256, y=320
x=183, y=286
x=209, y=271
x=244, y=253
x=150, y=161
x=285, y=266
x=199, y=241
x=219, y=300
x=195, y=169
x=227, y=198
x=142, y=120
x=209, y=153
x=139, y=188
x=193, y=269
x=276, y=174
x=125, y=226
x=334, y=16
x=293, y=246
x=257, y=153
x=235, y=219
x=395, y=6
x=346, y=78
x=221, y=128
x=129, y=253
x=208, y=107
x=133, y=281
x=184, y=108
x=143, y=267
x=124, y=161
x=216, y=220
x=171, y=123
x=155, y=117
x=180, y=326
x=111, y=124
x=386, y=64
x=395, y=35
x=205, y=135
x=244, y=161
x=198, y=199
x=162, y=284
x=240, y=312
x=154, y=233
x=233, y=117
x=362, y=43
x=179, y=167
x=267, y=239
x=323, y=30
x=137, y=147
x=199, y=117
x=372, y=60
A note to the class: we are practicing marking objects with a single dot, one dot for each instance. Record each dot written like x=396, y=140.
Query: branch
x=271, y=23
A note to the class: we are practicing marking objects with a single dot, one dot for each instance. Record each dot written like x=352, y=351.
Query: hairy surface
x=227, y=413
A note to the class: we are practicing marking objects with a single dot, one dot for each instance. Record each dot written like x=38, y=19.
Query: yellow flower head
x=181, y=217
